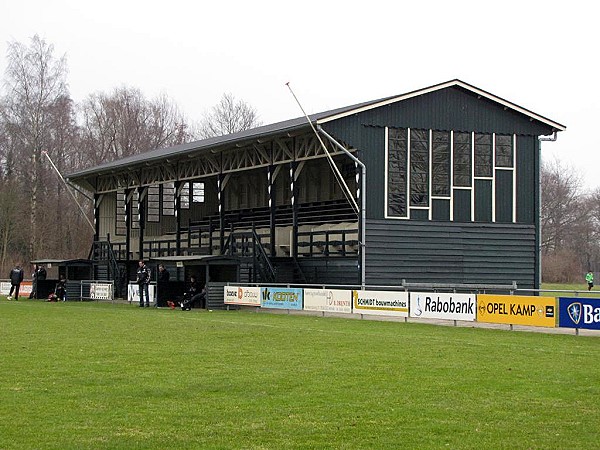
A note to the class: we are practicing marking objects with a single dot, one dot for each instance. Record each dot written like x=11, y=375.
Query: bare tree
x=227, y=117
x=563, y=210
x=125, y=123
x=35, y=82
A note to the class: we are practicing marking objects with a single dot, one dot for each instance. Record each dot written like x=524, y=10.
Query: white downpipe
x=363, y=204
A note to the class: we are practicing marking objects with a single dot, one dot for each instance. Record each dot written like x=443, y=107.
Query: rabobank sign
x=578, y=312
x=429, y=305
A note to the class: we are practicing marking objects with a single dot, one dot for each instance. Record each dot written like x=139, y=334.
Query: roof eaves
x=437, y=87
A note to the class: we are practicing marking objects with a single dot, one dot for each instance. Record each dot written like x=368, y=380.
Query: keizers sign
x=579, y=312
x=517, y=310
x=382, y=303
x=429, y=305
x=241, y=295
x=282, y=298
x=328, y=300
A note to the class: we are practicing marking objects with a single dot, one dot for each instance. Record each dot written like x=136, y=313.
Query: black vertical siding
x=504, y=196
x=483, y=200
x=449, y=253
x=526, y=179
x=462, y=205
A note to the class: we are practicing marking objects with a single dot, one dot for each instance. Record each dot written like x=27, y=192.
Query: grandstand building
x=443, y=186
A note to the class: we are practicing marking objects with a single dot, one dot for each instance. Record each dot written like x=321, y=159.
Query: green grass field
x=91, y=375
x=580, y=287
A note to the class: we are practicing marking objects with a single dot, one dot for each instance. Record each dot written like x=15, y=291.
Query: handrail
x=261, y=260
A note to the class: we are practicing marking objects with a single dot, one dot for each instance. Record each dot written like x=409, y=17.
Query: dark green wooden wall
x=439, y=250
x=450, y=253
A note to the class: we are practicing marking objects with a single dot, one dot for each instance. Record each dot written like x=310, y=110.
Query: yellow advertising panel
x=517, y=310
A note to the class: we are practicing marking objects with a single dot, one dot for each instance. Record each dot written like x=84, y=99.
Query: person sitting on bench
x=193, y=296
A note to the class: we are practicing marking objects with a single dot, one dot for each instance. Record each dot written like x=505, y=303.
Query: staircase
x=106, y=266
x=255, y=266
x=287, y=270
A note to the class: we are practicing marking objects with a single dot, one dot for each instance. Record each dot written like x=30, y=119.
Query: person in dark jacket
x=16, y=278
x=61, y=289
x=39, y=274
x=143, y=279
x=162, y=278
x=194, y=295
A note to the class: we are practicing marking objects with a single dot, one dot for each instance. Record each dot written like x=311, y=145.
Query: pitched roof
x=299, y=123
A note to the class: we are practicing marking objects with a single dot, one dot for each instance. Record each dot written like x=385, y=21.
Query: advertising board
x=133, y=293
x=430, y=305
x=381, y=303
x=328, y=300
x=241, y=295
x=281, y=298
x=579, y=312
x=517, y=310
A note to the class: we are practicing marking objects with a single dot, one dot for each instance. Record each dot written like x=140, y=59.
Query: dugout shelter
x=444, y=185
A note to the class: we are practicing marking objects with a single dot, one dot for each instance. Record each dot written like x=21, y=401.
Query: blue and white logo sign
x=579, y=312
x=281, y=298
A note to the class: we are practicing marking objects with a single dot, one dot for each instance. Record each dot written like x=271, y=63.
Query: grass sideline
x=99, y=375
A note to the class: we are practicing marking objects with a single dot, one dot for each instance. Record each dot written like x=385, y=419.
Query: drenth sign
x=517, y=310
x=241, y=295
x=430, y=305
x=328, y=300
x=382, y=303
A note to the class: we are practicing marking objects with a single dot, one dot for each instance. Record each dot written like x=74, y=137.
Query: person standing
x=162, y=279
x=589, y=278
x=16, y=277
x=39, y=274
x=143, y=279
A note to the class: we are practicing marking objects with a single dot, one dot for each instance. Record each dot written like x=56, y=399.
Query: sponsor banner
x=282, y=298
x=328, y=300
x=429, y=305
x=133, y=293
x=517, y=310
x=102, y=291
x=24, y=289
x=579, y=312
x=241, y=295
x=382, y=303
x=4, y=287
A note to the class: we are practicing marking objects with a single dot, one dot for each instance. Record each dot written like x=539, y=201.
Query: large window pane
x=153, y=209
x=419, y=167
x=121, y=228
x=397, y=170
x=197, y=192
x=462, y=159
x=504, y=151
x=440, y=164
x=168, y=199
x=483, y=155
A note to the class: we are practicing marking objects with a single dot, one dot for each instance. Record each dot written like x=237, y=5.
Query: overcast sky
x=541, y=55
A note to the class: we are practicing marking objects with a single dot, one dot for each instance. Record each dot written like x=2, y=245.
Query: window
x=448, y=175
x=440, y=164
x=197, y=192
x=168, y=199
x=419, y=167
x=153, y=209
x=135, y=210
x=483, y=155
x=462, y=159
x=121, y=226
x=504, y=151
x=397, y=168
x=184, y=196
